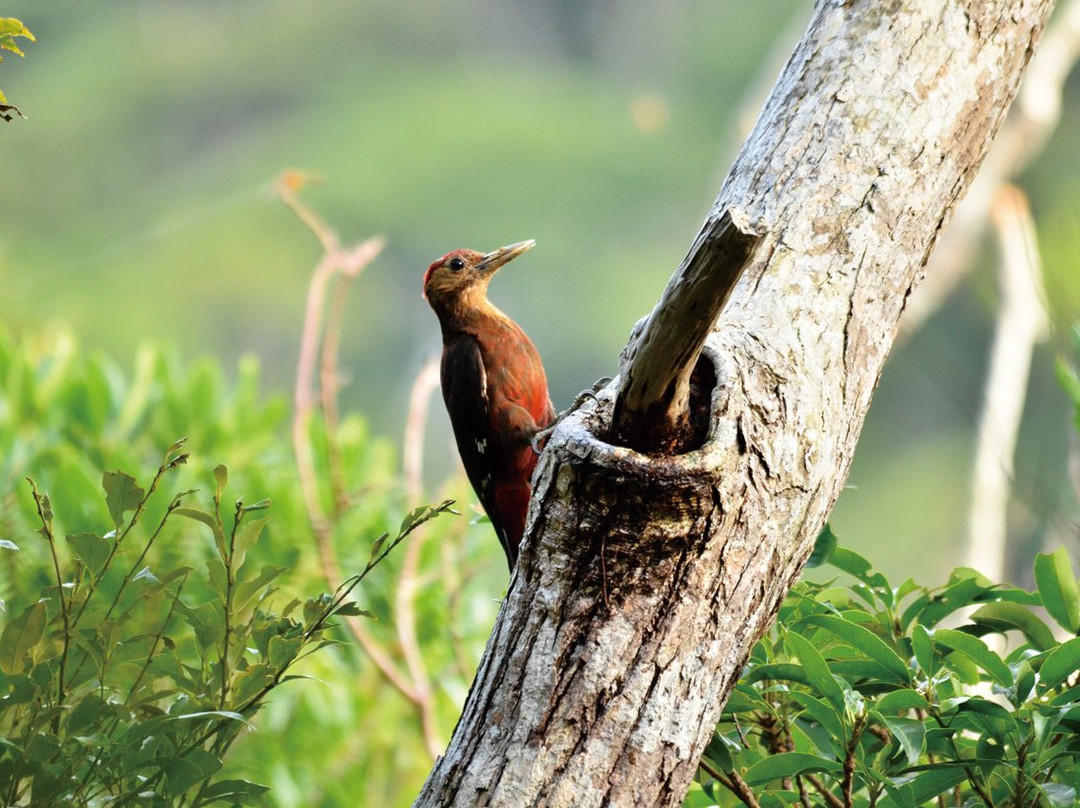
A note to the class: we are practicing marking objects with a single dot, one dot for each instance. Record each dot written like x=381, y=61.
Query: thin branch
x=405, y=612
x=653, y=399
x=830, y=799
x=427, y=380
x=1021, y=324
x=425, y=383
x=804, y=795
x=347, y=264
x=455, y=576
x=733, y=783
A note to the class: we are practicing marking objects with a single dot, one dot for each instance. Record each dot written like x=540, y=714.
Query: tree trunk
x=645, y=580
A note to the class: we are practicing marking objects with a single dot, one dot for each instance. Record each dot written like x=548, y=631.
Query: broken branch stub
x=652, y=404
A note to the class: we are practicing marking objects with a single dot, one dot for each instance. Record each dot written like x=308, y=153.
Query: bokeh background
x=137, y=205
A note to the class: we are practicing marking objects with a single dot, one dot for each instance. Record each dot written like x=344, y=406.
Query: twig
x=1021, y=324
x=732, y=782
x=831, y=799
x=804, y=795
x=849, y=762
x=348, y=264
x=454, y=578
x=404, y=603
x=408, y=583
x=425, y=383
x=741, y=790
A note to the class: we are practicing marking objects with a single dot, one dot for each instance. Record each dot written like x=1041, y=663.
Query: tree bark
x=644, y=580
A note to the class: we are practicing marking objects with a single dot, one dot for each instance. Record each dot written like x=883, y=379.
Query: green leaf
x=1060, y=664
x=181, y=773
x=247, y=590
x=283, y=650
x=823, y=714
x=246, y=536
x=20, y=635
x=238, y=792
x=850, y=562
x=975, y=649
x=910, y=735
x=90, y=711
x=91, y=549
x=818, y=671
x=207, y=621
x=210, y=521
x=824, y=546
x=229, y=715
x=1004, y=616
x=782, y=671
x=720, y=750
x=929, y=610
x=351, y=609
x=221, y=479
x=1059, y=795
x=250, y=683
x=923, y=648
x=865, y=642
x=901, y=701
x=217, y=576
x=1057, y=587
x=928, y=784
x=377, y=545
x=788, y=764
x=122, y=494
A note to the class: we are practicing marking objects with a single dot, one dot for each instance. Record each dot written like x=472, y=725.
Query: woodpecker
x=493, y=385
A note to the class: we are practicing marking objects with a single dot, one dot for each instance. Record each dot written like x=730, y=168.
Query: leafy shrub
x=861, y=696
x=125, y=682
x=350, y=737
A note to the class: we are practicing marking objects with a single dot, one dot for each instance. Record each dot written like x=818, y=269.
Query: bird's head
x=455, y=279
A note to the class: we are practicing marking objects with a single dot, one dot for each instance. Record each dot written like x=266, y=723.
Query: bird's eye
x=456, y=264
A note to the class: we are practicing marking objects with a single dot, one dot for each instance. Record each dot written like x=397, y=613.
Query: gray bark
x=645, y=580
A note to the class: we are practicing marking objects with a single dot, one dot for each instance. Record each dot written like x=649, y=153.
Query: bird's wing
x=465, y=390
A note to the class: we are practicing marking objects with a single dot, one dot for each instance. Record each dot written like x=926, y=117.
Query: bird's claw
x=543, y=434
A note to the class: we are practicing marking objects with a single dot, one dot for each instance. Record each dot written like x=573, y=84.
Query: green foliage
x=125, y=681
x=347, y=736
x=10, y=29
x=861, y=695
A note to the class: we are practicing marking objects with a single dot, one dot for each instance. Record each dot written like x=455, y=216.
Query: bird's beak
x=496, y=258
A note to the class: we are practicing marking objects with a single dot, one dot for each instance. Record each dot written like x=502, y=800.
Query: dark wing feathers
x=464, y=387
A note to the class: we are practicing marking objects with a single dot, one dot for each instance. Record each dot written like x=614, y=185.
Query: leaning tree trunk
x=645, y=579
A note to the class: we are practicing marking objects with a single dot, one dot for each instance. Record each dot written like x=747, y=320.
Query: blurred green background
x=137, y=206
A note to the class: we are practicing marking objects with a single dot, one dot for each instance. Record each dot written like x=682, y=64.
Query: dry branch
x=1021, y=324
x=653, y=400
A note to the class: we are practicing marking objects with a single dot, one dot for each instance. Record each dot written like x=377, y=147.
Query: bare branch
x=1022, y=323
x=342, y=265
x=425, y=383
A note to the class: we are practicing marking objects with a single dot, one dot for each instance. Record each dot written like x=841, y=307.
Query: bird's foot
x=543, y=434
